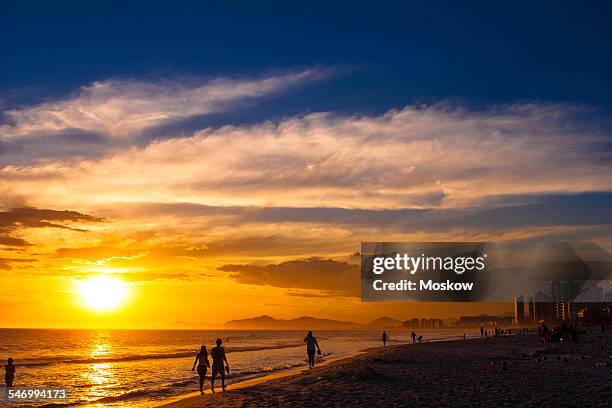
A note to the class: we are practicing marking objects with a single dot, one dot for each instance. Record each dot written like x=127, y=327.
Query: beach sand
x=507, y=371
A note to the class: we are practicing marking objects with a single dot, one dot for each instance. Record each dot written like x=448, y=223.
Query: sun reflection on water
x=99, y=377
x=100, y=350
x=98, y=374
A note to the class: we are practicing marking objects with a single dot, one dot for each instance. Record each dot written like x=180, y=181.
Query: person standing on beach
x=384, y=338
x=218, y=357
x=481, y=331
x=311, y=342
x=203, y=364
x=413, y=337
x=9, y=375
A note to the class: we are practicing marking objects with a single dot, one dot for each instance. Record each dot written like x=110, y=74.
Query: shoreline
x=251, y=382
x=511, y=370
x=177, y=401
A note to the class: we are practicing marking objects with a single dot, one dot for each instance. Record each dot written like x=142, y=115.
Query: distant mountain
x=299, y=323
x=385, y=323
x=183, y=324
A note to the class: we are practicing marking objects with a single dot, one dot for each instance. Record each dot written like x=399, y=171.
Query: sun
x=102, y=293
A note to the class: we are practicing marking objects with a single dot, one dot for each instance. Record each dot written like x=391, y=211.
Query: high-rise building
x=519, y=309
x=542, y=308
x=563, y=294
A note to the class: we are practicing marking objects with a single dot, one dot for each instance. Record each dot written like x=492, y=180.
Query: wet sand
x=507, y=371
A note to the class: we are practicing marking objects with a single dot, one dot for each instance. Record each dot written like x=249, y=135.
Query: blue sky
x=391, y=53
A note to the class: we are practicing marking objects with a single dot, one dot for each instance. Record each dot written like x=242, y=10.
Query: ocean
x=145, y=368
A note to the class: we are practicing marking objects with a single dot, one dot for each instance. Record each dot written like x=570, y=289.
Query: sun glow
x=102, y=293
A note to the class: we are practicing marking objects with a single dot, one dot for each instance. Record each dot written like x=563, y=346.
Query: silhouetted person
x=420, y=339
x=311, y=342
x=413, y=337
x=218, y=358
x=384, y=338
x=202, y=361
x=481, y=331
x=9, y=375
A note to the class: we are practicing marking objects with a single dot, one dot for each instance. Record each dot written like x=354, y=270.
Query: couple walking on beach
x=219, y=358
x=218, y=368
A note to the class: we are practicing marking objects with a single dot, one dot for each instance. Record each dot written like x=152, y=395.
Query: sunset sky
x=224, y=160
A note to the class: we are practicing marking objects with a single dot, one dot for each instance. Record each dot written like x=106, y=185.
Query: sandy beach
x=506, y=371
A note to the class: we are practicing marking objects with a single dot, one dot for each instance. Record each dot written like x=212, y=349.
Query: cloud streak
x=419, y=157
x=122, y=108
x=502, y=212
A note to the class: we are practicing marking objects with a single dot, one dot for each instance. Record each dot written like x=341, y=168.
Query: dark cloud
x=326, y=275
x=10, y=241
x=300, y=293
x=495, y=213
x=549, y=210
x=28, y=217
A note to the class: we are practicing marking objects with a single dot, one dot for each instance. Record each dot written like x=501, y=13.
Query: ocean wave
x=170, y=388
x=176, y=387
x=137, y=357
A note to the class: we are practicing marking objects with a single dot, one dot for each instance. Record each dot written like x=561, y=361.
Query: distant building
x=432, y=324
x=412, y=324
x=437, y=323
x=543, y=310
x=531, y=310
x=484, y=320
x=563, y=294
x=519, y=309
x=423, y=324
